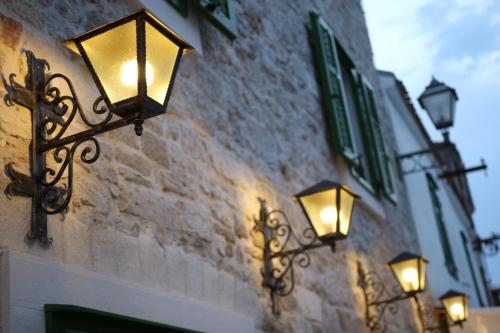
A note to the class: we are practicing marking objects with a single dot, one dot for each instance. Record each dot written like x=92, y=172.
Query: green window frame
x=330, y=59
x=75, y=319
x=443, y=234
x=180, y=6
x=221, y=14
x=218, y=12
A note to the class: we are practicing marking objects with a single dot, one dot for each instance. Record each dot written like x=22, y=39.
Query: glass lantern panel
x=466, y=303
x=456, y=307
x=113, y=55
x=453, y=104
x=321, y=208
x=161, y=54
x=423, y=266
x=346, y=203
x=407, y=273
x=439, y=107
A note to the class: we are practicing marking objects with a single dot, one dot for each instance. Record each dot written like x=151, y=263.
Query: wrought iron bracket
x=491, y=244
x=20, y=185
x=442, y=328
x=50, y=182
x=430, y=322
x=429, y=318
x=278, y=259
x=378, y=299
x=415, y=163
x=463, y=171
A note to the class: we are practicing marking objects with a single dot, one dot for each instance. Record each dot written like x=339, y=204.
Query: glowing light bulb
x=328, y=215
x=129, y=73
x=410, y=278
x=457, y=311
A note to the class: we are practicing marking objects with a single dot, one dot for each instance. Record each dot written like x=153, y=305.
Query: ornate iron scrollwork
x=489, y=246
x=55, y=198
x=435, y=319
x=378, y=299
x=417, y=162
x=278, y=271
x=491, y=249
x=430, y=320
x=20, y=185
x=50, y=183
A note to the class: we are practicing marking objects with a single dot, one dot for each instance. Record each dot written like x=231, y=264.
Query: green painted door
x=75, y=319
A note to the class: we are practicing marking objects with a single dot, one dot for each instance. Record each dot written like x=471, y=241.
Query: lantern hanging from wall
x=409, y=270
x=328, y=208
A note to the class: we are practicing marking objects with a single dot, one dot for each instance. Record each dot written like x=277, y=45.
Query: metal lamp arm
x=396, y=298
x=419, y=165
x=100, y=129
x=375, y=305
x=301, y=249
x=443, y=327
x=279, y=261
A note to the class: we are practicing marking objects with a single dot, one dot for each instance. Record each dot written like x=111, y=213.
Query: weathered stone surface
x=134, y=160
x=10, y=31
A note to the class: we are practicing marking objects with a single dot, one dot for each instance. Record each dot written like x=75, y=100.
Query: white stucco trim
x=484, y=320
x=28, y=282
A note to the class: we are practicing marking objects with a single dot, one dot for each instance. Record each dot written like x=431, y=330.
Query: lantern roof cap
x=70, y=43
x=406, y=256
x=452, y=293
x=325, y=185
x=435, y=87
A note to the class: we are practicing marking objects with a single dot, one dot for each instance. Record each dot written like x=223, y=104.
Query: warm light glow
x=457, y=311
x=410, y=271
x=456, y=305
x=129, y=73
x=328, y=215
x=410, y=278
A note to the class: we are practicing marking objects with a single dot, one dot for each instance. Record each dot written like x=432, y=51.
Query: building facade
x=161, y=229
x=442, y=207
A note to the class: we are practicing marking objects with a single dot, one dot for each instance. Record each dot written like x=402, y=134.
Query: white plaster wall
x=485, y=320
x=31, y=282
x=409, y=138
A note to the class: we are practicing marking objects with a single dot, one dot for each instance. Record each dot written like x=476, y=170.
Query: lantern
x=133, y=62
x=456, y=305
x=409, y=270
x=439, y=101
x=328, y=208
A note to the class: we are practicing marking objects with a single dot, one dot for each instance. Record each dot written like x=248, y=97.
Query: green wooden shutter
x=221, y=14
x=382, y=166
x=365, y=125
x=443, y=233
x=180, y=6
x=332, y=88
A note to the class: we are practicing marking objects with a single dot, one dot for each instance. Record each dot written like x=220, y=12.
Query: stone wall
x=174, y=208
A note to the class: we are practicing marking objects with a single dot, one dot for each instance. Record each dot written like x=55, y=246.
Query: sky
x=457, y=41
